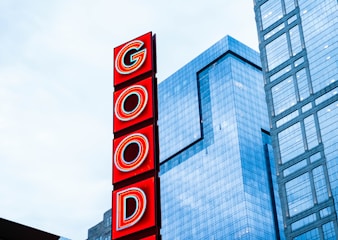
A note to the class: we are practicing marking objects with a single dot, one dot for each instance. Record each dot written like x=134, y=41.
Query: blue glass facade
x=102, y=230
x=216, y=159
x=299, y=52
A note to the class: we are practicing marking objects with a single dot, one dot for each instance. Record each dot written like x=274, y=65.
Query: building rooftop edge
x=226, y=44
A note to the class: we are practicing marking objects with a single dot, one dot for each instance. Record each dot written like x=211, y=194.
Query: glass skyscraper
x=215, y=151
x=299, y=53
x=217, y=169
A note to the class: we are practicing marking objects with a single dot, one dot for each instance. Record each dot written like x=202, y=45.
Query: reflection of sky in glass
x=216, y=186
x=179, y=120
x=301, y=63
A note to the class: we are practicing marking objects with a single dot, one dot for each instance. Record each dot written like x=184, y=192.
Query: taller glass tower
x=215, y=150
x=299, y=53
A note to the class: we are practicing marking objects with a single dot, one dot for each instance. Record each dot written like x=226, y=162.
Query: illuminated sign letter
x=131, y=204
x=131, y=102
x=131, y=57
x=131, y=152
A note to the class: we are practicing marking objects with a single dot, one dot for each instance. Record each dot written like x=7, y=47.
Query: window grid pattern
x=274, y=31
x=312, y=234
x=311, y=30
x=280, y=73
x=326, y=96
x=320, y=184
x=221, y=187
x=303, y=84
x=101, y=231
x=287, y=118
x=289, y=5
x=277, y=51
x=294, y=168
x=325, y=212
x=291, y=142
x=172, y=116
x=329, y=130
x=303, y=222
x=329, y=233
x=284, y=95
x=311, y=132
x=306, y=107
x=271, y=12
x=296, y=45
x=320, y=30
x=299, y=194
x=315, y=157
x=299, y=61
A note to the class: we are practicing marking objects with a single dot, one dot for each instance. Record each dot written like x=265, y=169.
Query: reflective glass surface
x=277, y=51
x=271, y=12
x=218, y=186
x=320, y=30
x=300, y=64
x=179, y=115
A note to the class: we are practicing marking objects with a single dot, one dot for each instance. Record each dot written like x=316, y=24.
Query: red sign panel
x=149, y=238
x=133, y=154
x=133, y=59
x=135, y=147
x=133, y=104
x=134, y=208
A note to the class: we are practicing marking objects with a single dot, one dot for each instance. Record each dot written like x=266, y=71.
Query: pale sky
x=56, y=95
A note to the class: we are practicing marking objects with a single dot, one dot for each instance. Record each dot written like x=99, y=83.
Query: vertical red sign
x=135, y=198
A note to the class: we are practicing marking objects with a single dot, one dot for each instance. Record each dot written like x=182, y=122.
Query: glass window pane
x=295, y=40
x=329, y=131
x=326, y=96
x=289, y=5
x=328, y=230
x=287, y=118
x=303, y=222
x=299, y=194
x=271, y=11
x=273, y=31
x=294, y=168
x=313, y=234
x=320, y=184
x=291, y=142
x=291, y=19
x=311, y=133
x=283, y=95
x=319, y=24
x=277, y=52
x=303, y=85
x=315, y=157
x=306, y=107
x=299, y=61
x=280, y=73
x=179, y=115
x=325, y=212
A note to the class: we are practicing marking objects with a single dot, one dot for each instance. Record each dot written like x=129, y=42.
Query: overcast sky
x=56, y=95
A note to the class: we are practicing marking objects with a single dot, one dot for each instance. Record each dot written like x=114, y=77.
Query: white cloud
x=56, y=99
